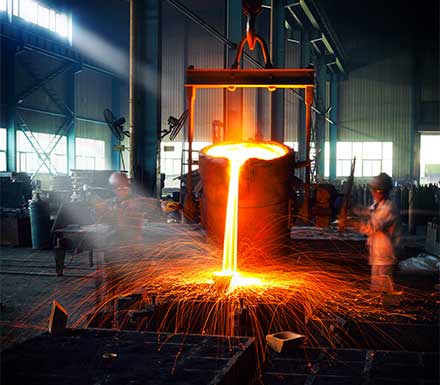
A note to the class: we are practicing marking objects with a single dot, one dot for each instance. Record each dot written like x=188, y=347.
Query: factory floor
x=28, y=286
x=29, y=282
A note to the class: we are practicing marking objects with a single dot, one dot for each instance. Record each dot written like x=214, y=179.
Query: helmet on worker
x=380, y=186
x=121, y=185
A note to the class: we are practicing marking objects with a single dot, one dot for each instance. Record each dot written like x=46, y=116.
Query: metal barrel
x=262, y=202
x=40, y=223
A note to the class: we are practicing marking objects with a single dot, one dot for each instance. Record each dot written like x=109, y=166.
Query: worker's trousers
x=382, y=278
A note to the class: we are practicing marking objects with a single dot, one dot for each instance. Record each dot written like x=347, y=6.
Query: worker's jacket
x=127, y=216
x=383, y=230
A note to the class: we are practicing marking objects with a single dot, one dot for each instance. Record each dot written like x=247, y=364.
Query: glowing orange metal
x=238, y=154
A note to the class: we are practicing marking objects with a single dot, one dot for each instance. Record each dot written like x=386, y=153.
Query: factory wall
x=375, y=105
x=427, y=74
x=185, y=43
x=390, y=92
x=392, y=98
x=92, y=90
x=39, y=65
x=93, y=93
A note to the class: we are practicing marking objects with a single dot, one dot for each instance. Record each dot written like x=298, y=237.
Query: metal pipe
x=191, y=102
x=309, y=99
x=116, y=100
x=132, y=101
x=89, y=120
x=189, y=204
x=50, y=113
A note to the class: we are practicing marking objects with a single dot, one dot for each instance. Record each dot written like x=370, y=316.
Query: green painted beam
x=334, y=102
x=7, y=89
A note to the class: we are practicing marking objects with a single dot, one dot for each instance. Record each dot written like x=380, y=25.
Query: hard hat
x=382, y=182
x=119, y=179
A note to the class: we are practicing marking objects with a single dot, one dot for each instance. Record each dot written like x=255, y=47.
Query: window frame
x=85, y=156
x=26, y=153
x=343, y=161
x=30, y=11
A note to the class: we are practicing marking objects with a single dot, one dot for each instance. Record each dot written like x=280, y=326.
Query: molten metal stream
x=238, y=154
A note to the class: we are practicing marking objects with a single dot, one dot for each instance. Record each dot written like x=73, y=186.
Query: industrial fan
x=117, y=128
x=174, y=125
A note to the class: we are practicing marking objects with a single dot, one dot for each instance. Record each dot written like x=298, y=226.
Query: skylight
x=37, y=13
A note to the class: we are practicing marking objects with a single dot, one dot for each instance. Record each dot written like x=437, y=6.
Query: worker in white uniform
x=383, y=231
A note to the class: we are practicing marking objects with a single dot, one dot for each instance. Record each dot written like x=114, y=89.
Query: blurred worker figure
x=126, y=212
x=121, y=186
x=383, y=231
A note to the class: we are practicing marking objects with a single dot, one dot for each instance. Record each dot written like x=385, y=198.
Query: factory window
x=171, y=160
x=90, y=154
x=293, y=145
x=372, y=158
x=429, y=158
x=51, y=148
x=2, y=149
x=37, y=13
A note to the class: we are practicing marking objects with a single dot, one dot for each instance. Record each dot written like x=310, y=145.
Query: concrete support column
x=8, y=51
x=145, y=94
x=233, y=101
x=116, y=108
x=278, y=54
x=334, y=102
